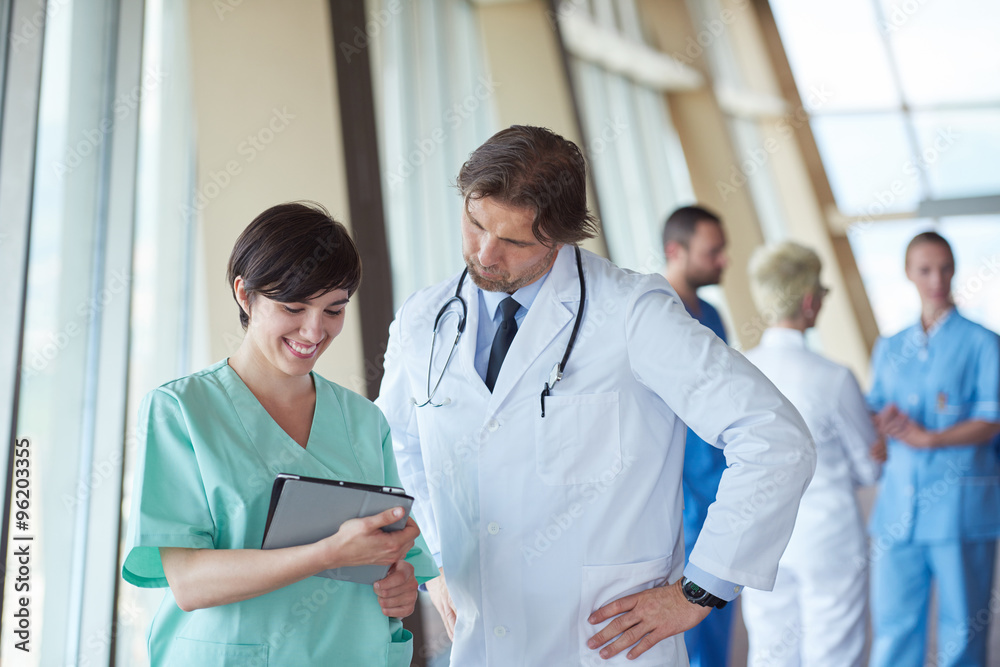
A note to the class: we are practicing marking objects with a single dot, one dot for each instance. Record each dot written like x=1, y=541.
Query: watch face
x=693, y=591
x=698, y=595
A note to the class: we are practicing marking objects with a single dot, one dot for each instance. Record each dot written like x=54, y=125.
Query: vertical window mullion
x=96, y=559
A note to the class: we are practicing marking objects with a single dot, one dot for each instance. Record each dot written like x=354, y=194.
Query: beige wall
x=268, y=131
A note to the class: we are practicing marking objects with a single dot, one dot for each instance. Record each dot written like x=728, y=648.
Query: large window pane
x=869, y=162
x=976, y=286
x=960, y=151
x=639, y=174
x=632, y=148
x=56, y=326
x=77, y=285
x=427, y=62
x=947, y=51
x=160, y=347
x=835, y=49
x=761, y=181
x=943, y=137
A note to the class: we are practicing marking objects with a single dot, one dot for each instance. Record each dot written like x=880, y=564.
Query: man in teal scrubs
x=695, y=246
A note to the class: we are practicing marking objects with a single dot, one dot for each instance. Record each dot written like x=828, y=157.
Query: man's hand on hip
x=644, y=619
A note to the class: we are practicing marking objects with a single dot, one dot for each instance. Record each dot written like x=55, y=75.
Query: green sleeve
x=169, y=504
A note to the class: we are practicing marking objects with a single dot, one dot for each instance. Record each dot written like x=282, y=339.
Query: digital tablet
x=304, y=510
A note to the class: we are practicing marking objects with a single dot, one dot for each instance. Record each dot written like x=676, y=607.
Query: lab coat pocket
x=186, y=652
x=606, y=583
x=578, y=440
x=400, y=653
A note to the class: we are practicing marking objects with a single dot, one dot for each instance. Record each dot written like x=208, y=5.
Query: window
x=434, y=105
x=910, y=125
x=912, y=104
x=632, y=147
x=107, y=234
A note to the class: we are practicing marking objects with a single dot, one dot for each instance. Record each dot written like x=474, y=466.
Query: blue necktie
x=502, y=340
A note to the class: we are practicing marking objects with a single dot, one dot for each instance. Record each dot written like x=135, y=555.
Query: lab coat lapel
x=548, y=315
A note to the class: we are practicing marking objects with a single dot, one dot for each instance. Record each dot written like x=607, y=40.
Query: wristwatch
x=698, y=595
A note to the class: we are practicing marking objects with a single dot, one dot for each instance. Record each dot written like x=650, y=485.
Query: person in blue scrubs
x=212, y=444
x=936, y=391
x=695, y=246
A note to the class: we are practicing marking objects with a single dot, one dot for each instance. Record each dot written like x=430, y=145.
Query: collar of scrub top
x=938, y=323
x=782, y=337
x=490, y=317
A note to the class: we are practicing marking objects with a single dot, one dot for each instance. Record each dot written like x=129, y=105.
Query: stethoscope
x=457, y=306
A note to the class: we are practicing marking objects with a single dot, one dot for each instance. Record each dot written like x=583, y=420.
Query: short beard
x=506, y=283
x=699, y=280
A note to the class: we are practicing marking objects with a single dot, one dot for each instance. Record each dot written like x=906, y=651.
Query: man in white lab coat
x=553, y=506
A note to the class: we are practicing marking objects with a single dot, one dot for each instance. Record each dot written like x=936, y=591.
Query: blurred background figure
x=936, y=386
x=816, y=613
x=695, y=247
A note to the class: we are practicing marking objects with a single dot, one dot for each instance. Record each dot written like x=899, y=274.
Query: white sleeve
x=394, y=401
x=855, y=431
x=727, y=401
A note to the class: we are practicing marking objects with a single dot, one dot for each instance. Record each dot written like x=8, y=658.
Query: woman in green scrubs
x=213, y=443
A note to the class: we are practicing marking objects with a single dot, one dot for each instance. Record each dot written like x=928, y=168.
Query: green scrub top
x=203, y=478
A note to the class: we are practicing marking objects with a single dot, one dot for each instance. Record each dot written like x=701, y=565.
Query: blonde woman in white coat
x=816, y=613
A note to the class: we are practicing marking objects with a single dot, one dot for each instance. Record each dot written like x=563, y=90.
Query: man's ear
x=809, y=304
x=671, y=249
x=808, y=300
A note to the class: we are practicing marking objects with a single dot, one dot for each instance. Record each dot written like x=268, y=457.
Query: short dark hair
x=680, y=224
x=927, y=237
x=533, y=167
x=292, y=251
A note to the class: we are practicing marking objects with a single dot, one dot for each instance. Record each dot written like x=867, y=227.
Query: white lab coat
x=540, y=521
x=816, y=613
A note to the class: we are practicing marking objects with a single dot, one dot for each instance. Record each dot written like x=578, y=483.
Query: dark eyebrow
x=339, y=302
x=514, y=241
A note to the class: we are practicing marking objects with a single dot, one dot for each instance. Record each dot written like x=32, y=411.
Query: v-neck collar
x=267, y=436
x=254, y=413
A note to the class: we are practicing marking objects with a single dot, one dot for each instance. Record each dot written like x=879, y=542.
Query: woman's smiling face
x=290, y=337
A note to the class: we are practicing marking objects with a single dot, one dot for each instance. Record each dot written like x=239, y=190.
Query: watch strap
x=698, y=595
